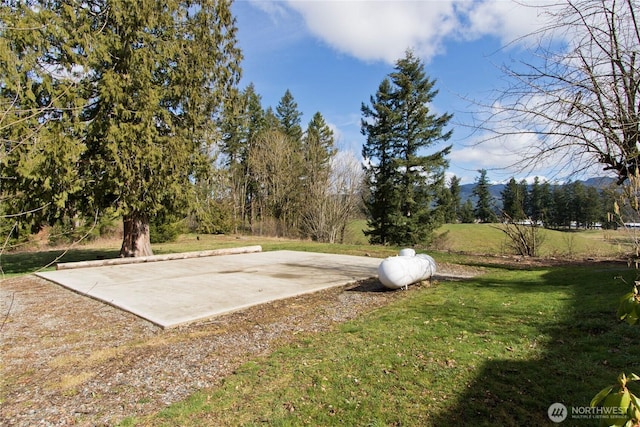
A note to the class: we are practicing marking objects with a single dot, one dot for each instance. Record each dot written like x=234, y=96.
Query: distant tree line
x=567, y=205
x=563, y=206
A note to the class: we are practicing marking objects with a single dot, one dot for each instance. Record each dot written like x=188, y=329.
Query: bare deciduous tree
x=523, y=237
x=334, y=201
x=274, y=165
x=578, y=97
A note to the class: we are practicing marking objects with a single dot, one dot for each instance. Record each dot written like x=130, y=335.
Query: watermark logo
x=557, y=412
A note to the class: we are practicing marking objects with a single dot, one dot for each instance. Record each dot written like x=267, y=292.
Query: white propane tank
x=401, y=271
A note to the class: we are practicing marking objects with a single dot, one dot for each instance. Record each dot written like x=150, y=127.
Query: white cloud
x=507, y=20
x=503, y=146
x=284, y=30
x=513, y=144
x=379, y=30
x=383, y=30
x=496, y=153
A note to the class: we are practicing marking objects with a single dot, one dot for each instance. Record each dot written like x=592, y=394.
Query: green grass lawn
x=495, y=350
x=488, y=239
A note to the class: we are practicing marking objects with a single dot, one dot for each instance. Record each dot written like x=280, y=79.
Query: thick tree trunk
x=136, y=241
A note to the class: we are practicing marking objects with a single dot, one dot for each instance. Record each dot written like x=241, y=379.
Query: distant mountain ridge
x=466, y=190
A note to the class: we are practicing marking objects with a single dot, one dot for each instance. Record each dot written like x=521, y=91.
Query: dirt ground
x=70, y=360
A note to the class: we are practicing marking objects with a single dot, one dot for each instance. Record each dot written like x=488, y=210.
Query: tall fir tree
x=288, y=123
x=318, y=150
x=560, y=216
x=404, y=183
x=593, y=212
x=290, y=117
x=454, y=190
x=576, y=195
x=450, y=201
x=159, y=76
x=318, y=147
x=243, y=117
x=485, y=204
x=535, y=202
x=382, y=196
x=547, y=201
x=513, y=199
x=241, y=124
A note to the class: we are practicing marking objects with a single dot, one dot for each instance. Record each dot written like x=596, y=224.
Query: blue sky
x=332, y=55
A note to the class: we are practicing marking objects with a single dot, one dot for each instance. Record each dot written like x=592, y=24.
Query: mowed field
x=488, y=239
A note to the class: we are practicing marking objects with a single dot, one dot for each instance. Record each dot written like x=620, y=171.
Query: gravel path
x=70, y=360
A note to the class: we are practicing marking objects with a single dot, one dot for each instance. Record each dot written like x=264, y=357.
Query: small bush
x=163, y=233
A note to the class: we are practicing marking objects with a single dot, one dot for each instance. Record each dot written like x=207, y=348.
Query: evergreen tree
x=41, y=101
x=159, y=74
x=318, y=150
x=271, y=121
x=585, y=204
x=484, y=210
x=132, y=128
x=243, y=118
x=382, y=197
x=577, y=203
x=466, y=212
x=404, y=184
x=513, y=201
x=257, y=122
x=242, y=122
x=593, y=207
x=526, y=198
x=546, y=201
x=451, y=201
x=535, y=202
x=288, y=123
x=560, y=216
x=454, y=189
x=290, y=117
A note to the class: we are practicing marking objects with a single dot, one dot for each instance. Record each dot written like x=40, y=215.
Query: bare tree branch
x=577, y=100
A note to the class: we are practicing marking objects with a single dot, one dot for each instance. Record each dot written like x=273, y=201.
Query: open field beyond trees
x=495, y=349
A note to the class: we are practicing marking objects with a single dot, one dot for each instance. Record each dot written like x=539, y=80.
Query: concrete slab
x=175, y=292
